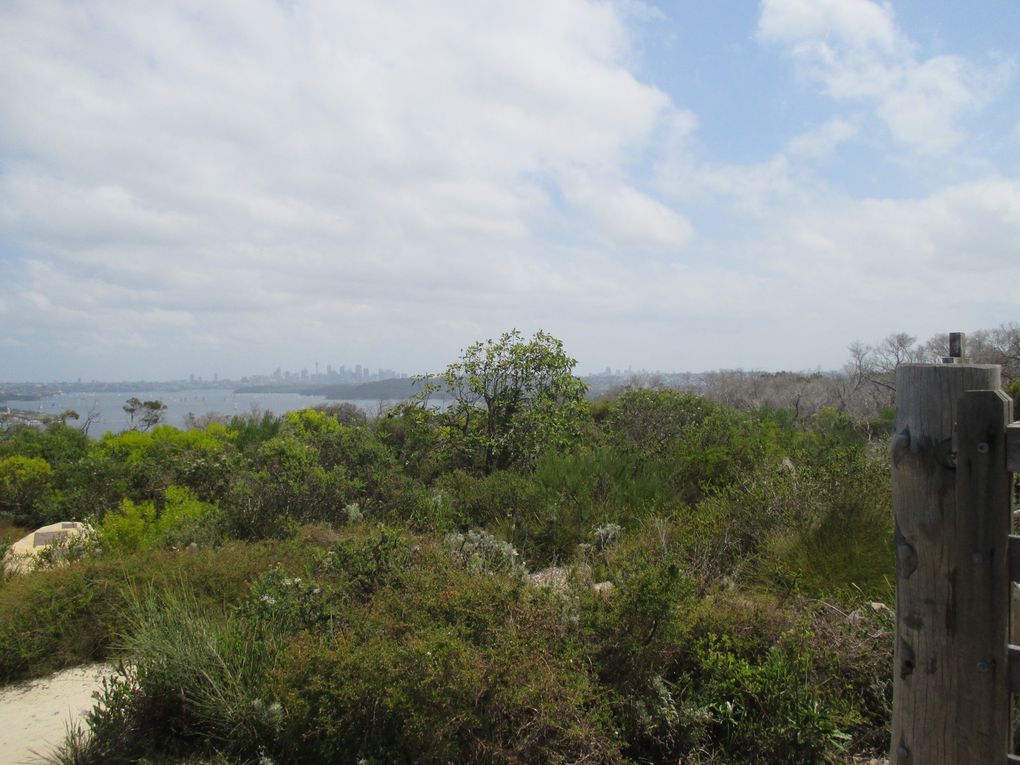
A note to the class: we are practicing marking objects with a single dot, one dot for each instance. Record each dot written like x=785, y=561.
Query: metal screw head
x=983, y=666
x=982, y=448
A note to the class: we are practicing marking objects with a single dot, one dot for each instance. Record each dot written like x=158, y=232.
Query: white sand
x=34, y=715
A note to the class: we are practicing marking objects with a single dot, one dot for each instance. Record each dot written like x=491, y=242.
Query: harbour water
x=111, y=417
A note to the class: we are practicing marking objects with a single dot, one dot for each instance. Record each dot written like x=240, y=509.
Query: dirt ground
x=34, y=715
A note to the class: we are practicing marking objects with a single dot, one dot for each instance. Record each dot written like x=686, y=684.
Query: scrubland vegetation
x=523, y=577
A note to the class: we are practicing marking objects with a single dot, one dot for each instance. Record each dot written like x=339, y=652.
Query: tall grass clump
x=74, y=614
x=187, y=682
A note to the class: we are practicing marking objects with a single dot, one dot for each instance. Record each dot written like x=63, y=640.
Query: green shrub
x=26, y=490
x=608, y=483
x=152, y=461
x=760, y=706
x=74, y=614
x=435, y=697
x=510, y=400
x=388, y=647
x=190, y=683
x=250, y=431
x=838, y=540
x=58, y=444
x=185, y=520
x=282, y=604
x=125, y=529
x=731, y=526
x=710, y=567
x=1013, y=391
x=503, y=499
x=312, y=471
x=480, y=551
x=546, y=514
x=830, y=435
x=796, y=681
x=438, y=665
x=737, y=678
x=707, y=446
x=181, y=520
x=288, y=485
x=142, y=466
x=199, y=677
x=389, y=651
x=413, y=434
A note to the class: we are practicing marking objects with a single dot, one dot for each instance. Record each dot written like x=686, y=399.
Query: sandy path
x=34, y=715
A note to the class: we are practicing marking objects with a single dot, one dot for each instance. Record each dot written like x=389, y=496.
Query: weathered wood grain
x=925, y=713
x=980, y=573
x=1013, y=448
x=1014, y=668
x=1014, y=558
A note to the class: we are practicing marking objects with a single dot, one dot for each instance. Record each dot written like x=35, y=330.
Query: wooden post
x=1013, y=448
x=932, y=563
x=982, y=580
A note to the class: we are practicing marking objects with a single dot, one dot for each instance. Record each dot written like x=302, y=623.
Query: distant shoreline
x=396, y=389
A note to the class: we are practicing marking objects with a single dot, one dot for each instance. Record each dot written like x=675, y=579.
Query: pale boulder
x=23, y=553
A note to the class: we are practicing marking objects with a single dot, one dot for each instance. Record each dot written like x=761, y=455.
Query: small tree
x=149, y=413
x=512, y=398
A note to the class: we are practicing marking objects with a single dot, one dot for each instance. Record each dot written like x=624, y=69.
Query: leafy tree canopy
x=148, y=413
x=512, y=398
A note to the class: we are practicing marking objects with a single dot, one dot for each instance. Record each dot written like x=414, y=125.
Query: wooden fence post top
x=926, y=398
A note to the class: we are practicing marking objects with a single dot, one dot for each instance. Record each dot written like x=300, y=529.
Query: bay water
x=111, y=417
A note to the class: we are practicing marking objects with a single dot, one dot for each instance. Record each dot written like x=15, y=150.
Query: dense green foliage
x=654, y=577
x=512, y=399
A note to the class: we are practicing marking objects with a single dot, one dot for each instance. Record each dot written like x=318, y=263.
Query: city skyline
x=341, y=374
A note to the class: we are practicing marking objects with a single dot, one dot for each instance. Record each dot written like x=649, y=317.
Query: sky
x=228, y=187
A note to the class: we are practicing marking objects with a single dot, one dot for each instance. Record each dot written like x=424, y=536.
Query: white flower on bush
x=607, y=535
x=479, y=550
x=352, y=512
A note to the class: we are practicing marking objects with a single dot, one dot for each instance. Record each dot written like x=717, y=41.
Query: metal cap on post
x=955, y=349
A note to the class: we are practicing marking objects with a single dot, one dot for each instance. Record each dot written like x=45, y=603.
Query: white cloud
x=326, y=164
x=787, y=177
x=227, y=187
x=744, y=189
x=858, y=24
x=625, y=216
x=821, y=268
x=870, y=266
x=820, y=142
x=854, y=50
